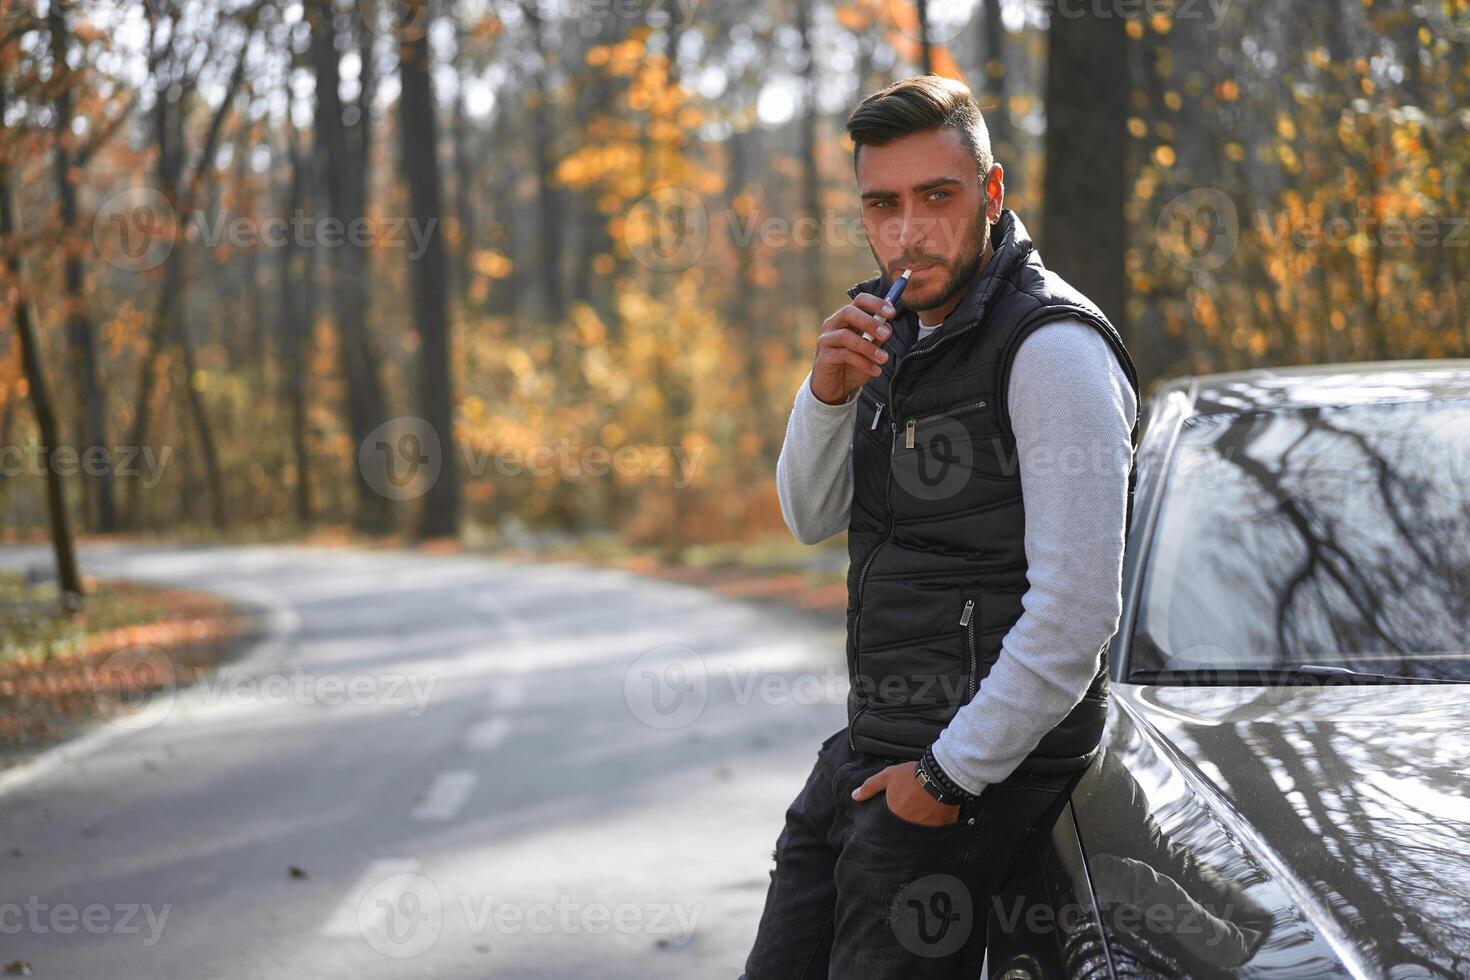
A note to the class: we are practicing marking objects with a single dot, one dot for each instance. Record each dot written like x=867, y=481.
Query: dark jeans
x=860, y=893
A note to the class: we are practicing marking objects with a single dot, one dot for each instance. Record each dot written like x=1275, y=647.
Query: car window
x=1323, y=535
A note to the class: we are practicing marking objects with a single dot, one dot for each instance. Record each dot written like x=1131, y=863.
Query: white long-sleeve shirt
x=1072, y=411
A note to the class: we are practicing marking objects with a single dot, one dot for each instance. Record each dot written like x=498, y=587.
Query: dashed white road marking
x=508, y=692
x=346, y=921
x=486, y=736
x=447, y=795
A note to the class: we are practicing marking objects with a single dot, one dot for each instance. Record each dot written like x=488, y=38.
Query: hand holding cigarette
x=849, y=350
x=894, y=292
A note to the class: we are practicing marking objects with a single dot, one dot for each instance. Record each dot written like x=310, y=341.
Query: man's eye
x=882, y=204
x=937, y=195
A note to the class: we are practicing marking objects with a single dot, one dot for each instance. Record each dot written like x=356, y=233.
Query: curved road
x=481, y=769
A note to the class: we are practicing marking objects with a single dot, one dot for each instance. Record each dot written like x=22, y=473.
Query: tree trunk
x=548, y=196
x=926, y=57
x=81, y=342
x=760, y=418
x=993, y=91
x=344, y=166
x=429, y=273
x=181, y=192
x=1086, y=139
x=298, y=307
x=811, y=178
x=68, y=575
x=142, y=406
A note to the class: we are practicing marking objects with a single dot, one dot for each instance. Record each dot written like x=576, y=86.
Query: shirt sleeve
x=814, y=471
x=1072, y=410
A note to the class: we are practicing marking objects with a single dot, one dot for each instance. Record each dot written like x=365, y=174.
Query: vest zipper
x=857, y=628
x=968, y=622
x=877, y=408
x=908, y=439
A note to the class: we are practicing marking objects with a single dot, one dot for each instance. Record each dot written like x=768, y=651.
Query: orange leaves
x=621, y=59
x=487, y=28
x=492, y=265
x=944, y=64
x=854, y=17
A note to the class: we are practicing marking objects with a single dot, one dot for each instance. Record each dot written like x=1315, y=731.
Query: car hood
x=1358, y=797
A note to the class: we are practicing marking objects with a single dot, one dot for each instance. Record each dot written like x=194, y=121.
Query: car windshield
x=1332, y=536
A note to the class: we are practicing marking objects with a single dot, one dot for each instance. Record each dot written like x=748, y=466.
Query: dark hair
x=918, y=104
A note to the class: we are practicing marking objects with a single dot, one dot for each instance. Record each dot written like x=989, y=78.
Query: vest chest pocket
x=872, y=418
x=968, y=418
x=943, y=458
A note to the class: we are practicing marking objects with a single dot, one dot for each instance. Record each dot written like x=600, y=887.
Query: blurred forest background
x=594, y=225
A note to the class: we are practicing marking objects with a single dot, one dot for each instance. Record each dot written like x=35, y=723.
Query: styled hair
x=918, y=104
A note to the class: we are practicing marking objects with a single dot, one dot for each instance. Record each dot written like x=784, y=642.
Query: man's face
x=924, y=208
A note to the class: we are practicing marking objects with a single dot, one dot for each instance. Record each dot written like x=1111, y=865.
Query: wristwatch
x=938, y=785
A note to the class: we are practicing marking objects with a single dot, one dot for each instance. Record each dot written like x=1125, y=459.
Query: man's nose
x=910, y=232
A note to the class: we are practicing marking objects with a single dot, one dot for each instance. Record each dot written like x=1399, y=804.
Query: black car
x=1283, y=788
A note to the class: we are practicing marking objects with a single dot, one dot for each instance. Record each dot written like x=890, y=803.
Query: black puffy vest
x=936, y=534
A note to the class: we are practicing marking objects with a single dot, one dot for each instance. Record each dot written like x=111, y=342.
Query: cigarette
x=894, y=292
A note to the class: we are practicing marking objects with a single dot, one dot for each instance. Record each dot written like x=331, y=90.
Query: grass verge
x=60, y=673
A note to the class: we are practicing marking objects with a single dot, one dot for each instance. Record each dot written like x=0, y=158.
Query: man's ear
x=995, y=192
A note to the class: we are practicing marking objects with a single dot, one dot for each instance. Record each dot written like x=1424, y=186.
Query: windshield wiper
x=1294, y=674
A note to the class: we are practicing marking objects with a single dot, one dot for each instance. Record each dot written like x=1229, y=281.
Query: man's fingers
x=872, y=785
x=875, y=305
x=852, y=358
x=846, y=338
x=861, y=363
x=857, y=321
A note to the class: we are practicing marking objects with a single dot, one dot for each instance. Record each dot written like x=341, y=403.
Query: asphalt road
x=481, y=770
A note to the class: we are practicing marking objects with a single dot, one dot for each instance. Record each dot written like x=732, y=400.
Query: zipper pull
x=876, y=416
x=908, y=434
x=965, y=616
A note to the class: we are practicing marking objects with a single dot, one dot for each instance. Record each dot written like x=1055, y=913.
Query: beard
x=960, y=270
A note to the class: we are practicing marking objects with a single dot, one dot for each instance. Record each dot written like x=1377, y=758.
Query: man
x=979, y=452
